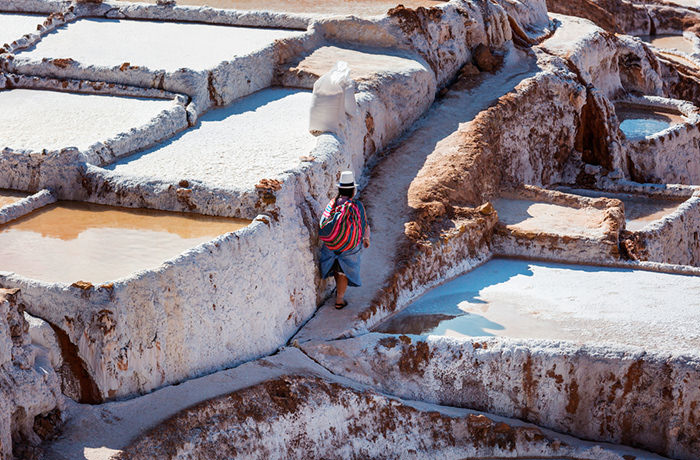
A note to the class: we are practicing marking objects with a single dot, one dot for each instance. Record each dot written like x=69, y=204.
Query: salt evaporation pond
x=344, y=7
x=10, y=196
x=157, y=45
x=14, y=26
x=525, y=299
x=532, y=216
x=638, y=122
x=640, y=210
x=256, y=137
x=36, y=120
x=670, y=42
x=71, y=241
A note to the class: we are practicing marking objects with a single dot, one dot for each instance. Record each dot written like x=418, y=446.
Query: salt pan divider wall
x=58, y=169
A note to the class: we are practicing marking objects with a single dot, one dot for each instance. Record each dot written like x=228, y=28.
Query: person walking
x=344, y=231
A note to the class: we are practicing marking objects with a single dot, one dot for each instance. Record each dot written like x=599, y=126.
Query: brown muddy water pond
x=344, y=7
x=639, y=121
x=10, y=196
x=670, y=42
x=74, y=241
x=540, y=300
x=640, y=210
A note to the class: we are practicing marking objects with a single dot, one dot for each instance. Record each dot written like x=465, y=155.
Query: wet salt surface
x=670, y=42
x=355, y=7
x=638, y=122
x=534, y=216
x=10, y=196
x=14, y=26
x=640, y=210
x=256, y=137
x=36, y=120
x=524, y=299
x=157, y=45
x=72, y=241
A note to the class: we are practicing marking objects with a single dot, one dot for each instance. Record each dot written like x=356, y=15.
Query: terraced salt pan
x=14, y=26
x=532, y=216
x=670, y=42
x=157, y=45
x=344, y=7
x=640, y=210
x=36, y=120
x=10, y=196
x=524, y=299
x=71, y=241
x=638, y=122
x=363, y=63
x=257, y=137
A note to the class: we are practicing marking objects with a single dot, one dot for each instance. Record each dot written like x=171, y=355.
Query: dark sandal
x=340, y=306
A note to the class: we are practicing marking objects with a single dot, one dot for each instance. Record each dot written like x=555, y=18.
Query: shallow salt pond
x=638, y=122
x=640, y=210
x=670, y=42
x=72, y=241
x=338, y=7
x=157, y=45
x=533, y=216
x=36, y=120
x=256, y=137
x=10, y=196
x=525, y=299
x=14, y=26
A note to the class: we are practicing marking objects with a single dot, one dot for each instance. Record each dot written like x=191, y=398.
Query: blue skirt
x=349, y=262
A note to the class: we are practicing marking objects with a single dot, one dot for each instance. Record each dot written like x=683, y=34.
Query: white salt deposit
x=14, y=26
x=36, y=120
x=156, y=45
x=257, y=137
x=524, y=299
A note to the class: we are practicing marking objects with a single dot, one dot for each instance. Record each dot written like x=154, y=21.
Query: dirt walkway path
x=386, y=195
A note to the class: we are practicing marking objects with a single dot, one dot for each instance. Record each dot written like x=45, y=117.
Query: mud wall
x=29, y=386
x=622, y=395
x=308, y=417
x=671, y=157
x=674, y=239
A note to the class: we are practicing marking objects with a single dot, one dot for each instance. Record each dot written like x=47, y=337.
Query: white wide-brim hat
x=347, y=180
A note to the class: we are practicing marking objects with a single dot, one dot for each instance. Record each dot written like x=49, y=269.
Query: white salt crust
x=37, y=120
x=14, y=26
x=258, y=137
x=584, y=304
x=157, y=45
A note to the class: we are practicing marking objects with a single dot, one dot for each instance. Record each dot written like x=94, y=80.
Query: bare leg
x=341, y=284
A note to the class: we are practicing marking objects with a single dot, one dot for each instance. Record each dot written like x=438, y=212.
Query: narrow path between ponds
x=386, y=195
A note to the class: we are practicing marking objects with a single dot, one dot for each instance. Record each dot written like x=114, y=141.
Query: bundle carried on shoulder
x=341, y=226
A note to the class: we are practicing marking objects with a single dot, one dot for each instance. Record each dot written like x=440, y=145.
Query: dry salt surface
x=257, y=137
x=14, y=26
x=363, y=63
x=157, y=45
x=36, y=119
x=640, y=210
x=339, y=7
x=525, y=299
x=531, y=216
x=70, y=241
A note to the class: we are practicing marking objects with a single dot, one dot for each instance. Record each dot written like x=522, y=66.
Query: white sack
x=334, y=94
